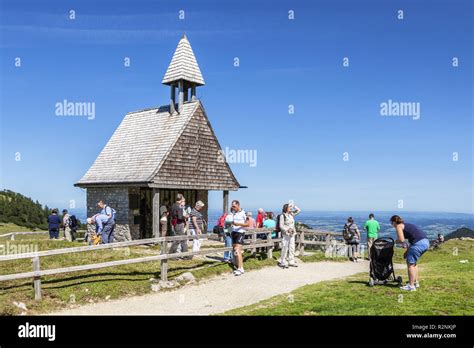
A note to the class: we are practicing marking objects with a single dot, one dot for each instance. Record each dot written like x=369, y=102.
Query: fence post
x=270, y=245
x=37, y=279
x=301, y=243
x=164, y=263
x=12, y=237
x=254, y=241
x=328, y=244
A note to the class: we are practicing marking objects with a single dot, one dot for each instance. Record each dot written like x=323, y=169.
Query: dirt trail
x=224, y=292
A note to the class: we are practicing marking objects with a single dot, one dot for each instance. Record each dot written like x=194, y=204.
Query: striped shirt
x=199, y=219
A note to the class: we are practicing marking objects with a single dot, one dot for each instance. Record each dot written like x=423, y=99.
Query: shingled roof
x=183, y=65
x=155, y=148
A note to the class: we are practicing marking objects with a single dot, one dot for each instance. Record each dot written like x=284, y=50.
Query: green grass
x=446, y=289
x=98, y=285
x=7, y=227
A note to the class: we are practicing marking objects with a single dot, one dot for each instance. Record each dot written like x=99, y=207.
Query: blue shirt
x=413, y=233
x=53, y=222
x=107, y=211
x=269, y=223
x=100, y=220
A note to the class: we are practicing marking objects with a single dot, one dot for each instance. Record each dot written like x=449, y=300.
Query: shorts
x=237, y=238
x=416, y=250
x=353, y=241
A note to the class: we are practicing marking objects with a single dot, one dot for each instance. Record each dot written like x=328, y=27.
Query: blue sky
x=282, y=62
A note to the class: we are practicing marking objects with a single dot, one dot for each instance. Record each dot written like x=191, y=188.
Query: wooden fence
x=251, y=243
x=13, y=234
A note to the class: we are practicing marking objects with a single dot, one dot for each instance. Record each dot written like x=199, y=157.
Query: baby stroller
x=381, y=265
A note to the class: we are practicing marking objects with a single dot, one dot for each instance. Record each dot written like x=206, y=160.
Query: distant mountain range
x=460, y=232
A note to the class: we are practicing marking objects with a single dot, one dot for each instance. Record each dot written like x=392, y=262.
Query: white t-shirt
x=239, y=217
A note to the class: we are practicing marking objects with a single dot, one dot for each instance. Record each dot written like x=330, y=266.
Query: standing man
x=372, y=227
x=196, y=224
x=240, y=223
x=109, y=228
x=260, y=217
x=53, y=224
x=178, y=221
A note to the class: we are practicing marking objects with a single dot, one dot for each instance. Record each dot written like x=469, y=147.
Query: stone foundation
x=117, y=198
x=121, y=234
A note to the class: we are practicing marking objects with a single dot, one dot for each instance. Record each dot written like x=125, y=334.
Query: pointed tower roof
x=183, y=65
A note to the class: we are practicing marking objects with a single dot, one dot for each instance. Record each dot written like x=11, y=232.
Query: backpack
x=114, y=212
x=73, y=222
x=221, y=221
x=277, y=226
x=347, y=233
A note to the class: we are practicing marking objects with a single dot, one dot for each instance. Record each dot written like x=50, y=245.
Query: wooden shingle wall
x=196, y=160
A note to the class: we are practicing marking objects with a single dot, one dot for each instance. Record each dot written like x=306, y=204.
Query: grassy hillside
x=446, y=289
x=460, y=232
x=7, y=227
x=22, y=211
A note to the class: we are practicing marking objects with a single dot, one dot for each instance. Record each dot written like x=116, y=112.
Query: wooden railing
x=13, y=234
x=304, y=232
x=251, y=243
x=332, y=242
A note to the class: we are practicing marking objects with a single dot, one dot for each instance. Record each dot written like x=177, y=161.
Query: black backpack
x=347, y=233
x=73, y=222
x=277, y=226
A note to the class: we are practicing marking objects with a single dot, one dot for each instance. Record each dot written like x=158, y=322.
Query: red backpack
x=221, y=221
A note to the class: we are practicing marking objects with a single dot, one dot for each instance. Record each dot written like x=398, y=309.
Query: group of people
x=234, y=224
x=67, y=223
x=411, y=237
x=352, y=235
x=183, y=220
x=104, y=222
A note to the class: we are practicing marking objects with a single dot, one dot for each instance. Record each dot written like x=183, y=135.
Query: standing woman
x=416, y=243
x=354, y=240
x=288, y=232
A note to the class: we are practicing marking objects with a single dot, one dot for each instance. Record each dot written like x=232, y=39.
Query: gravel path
x=223, y=292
